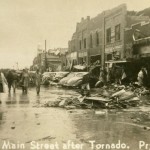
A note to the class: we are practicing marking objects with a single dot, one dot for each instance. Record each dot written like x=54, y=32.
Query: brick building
x=102, y=37
x=86, y=42
x=114, y=24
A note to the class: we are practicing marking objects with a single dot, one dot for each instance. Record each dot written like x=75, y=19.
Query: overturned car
x=52, y=76
x=59, y=75
x=74, y=79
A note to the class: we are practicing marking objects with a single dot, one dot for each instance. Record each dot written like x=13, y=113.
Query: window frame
x=108, y=35
x=80, y=44
x=84, y=41
x=117, y=32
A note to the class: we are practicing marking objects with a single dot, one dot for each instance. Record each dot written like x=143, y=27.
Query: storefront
x=82, y=57
x=113, y=52
x=141, y=51
x=95, y=58
x=71, y=59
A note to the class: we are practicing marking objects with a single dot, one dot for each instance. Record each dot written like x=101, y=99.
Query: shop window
x=80, y=60
x=108, y=35
x=84, y=58
x=117, y=32
x=74, y=62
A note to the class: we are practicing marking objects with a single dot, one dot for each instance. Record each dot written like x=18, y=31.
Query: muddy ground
x=20, y=122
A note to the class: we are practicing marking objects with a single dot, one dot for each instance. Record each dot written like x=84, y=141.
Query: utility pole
x=45, y=57
x=104, y=42
x=17, y=66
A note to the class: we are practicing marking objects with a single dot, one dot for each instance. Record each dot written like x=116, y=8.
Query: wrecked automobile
x=74, y=79
x=46, y=77
x=59, y=75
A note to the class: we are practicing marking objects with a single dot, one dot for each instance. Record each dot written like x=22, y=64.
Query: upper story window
x=85, y=43
x=108, y=35
x=80, y=44
x=97, y=38
x=117, y=32
x=91, y=41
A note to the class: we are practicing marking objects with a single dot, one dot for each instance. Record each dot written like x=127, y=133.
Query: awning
x=82, y=54
x=142, y=41
x=117, y=61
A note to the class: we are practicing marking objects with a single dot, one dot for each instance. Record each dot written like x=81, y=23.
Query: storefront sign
x=73, y=55
x=82, y=54
x=113, y=49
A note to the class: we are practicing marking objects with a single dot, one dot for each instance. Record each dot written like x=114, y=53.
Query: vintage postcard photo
x=74, y=75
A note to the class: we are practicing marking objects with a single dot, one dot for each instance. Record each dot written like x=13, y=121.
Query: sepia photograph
x=74, y=75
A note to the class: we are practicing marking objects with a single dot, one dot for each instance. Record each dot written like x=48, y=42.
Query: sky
x=26, y=24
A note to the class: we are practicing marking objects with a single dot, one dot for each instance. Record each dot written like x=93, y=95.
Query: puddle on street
x=19, y=121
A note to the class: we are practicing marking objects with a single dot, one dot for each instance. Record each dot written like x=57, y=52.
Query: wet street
x=31, y=127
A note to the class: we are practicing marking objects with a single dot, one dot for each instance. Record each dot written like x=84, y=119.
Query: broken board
x=97, y=99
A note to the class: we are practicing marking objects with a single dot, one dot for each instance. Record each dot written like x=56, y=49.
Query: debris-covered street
x=74, y=75
x=23, y=119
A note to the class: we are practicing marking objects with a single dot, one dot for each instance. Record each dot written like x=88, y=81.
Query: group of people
x=12, y=80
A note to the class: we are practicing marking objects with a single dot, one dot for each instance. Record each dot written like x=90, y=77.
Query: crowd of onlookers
x=13, y=79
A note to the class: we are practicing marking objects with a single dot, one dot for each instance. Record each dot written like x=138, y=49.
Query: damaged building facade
x=52, y=60
x=137, y=45
x=102, y=38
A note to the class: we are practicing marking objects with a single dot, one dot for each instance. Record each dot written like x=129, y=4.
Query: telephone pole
x=45, y=57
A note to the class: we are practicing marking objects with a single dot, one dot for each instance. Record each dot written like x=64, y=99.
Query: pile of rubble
x=124, y=99
x=68, y=103
x=110, y=97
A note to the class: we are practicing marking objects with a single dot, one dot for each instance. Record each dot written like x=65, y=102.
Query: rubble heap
x=110, y=97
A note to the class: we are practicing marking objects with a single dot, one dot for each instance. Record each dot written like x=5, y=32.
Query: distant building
x=52, y=60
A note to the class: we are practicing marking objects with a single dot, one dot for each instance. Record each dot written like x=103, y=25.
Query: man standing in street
x=3, y=83
x=85, y=87
x=143, y=77
x=38, y=81
x=10, y=80
x=102, y=78
x=25, y=81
